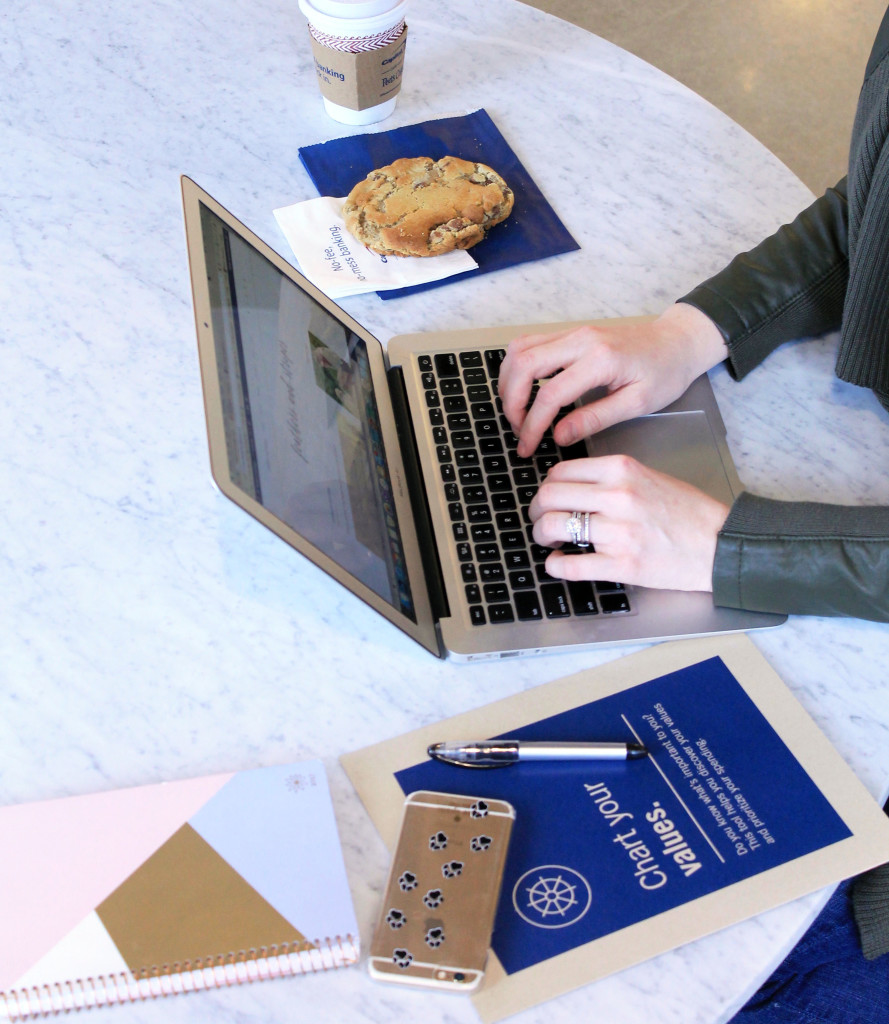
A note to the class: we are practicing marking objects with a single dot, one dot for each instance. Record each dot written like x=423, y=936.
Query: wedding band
x=584, y=541
x=575, y=527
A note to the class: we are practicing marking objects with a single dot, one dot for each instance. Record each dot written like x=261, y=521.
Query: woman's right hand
x=642, y=367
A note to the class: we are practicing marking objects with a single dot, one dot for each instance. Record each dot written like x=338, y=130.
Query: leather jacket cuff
x=803, y=558
x=792, y=285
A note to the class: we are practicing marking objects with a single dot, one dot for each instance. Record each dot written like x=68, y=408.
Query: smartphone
x=435, y=923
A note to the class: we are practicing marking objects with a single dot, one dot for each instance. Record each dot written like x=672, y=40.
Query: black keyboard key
x=474, y=377
x=527, y=605
x=478, y=393
x=467, y=571
x=509, y=521
x=583, y=600
x=499, y=482
x=428, y=380
x=480, y=410
x=524, y=476
x=490, y=446
x=452, y=492
x=547, y=446
x=474, y=495
x=466, y=457
x=443, y=452
x=439, y=435
x=432, y=399
x=471, y=475
x=460, y=531
x=462, y=438
x=459, y=421
x=495, y=592
x=526, y=494
x=491, y=572
x=502, y=501
x=487, y=553
x=446, y=364
x=546, y=462
x=464, y=551
x=470, y=359
x=473, y=594
x=494, y=464
x=477, y=615
x=516, y=559
x=487, y=428
x=604, y=585
x=555, y=603
x=574, y=451
x=483, y=532
x=455, y=511
x=478, y=514
x=436, y=417
x=539, y=553
x=425, y=363
x=523, y=579
x=512, y=539
x=614, y=603
x=517, y=461
x=453, y=403
x=493, y=358
x=451, y=386
x=447, y=472
x=500, y=613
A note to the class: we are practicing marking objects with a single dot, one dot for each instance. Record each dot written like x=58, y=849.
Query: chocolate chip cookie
x=417, y=206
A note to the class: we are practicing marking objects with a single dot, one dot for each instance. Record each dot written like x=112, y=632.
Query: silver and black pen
x=499, y=753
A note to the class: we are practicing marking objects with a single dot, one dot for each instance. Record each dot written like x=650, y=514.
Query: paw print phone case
x=438, y=910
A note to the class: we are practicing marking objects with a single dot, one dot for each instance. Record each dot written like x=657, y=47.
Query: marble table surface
x=150, y=629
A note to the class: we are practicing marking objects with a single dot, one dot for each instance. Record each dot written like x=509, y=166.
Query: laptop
x=395, y=472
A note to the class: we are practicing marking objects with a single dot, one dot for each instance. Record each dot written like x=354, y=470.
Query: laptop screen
x=301, y=423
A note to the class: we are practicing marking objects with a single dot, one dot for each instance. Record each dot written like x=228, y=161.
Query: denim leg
x=825, y=979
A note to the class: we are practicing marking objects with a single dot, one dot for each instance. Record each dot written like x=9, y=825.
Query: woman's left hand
x=647, y=528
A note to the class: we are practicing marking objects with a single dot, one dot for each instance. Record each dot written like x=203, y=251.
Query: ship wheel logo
x=552, y=896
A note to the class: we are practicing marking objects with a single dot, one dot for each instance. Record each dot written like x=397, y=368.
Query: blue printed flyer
x=741, y=804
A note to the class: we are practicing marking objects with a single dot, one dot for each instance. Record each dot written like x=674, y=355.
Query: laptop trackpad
x=678, y=443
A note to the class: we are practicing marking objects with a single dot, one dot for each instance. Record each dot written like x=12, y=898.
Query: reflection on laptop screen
x=301, y=420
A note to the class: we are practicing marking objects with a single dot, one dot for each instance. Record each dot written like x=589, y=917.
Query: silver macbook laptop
x=395, y=472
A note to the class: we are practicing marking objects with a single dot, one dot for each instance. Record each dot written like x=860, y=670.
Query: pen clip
x=494, y=754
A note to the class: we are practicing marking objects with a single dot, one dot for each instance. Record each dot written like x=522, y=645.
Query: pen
x=499, y=753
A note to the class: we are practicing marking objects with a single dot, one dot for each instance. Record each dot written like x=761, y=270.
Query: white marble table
x=151, y=630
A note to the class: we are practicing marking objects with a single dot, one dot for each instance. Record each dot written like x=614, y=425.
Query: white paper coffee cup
x=359, y=47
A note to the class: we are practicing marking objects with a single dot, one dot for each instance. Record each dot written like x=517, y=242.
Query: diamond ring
x=578, y=527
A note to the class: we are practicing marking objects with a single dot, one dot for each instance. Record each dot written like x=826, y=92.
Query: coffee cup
x=359, y=47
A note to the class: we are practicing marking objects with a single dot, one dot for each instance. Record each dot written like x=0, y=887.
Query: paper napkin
x=338, y=264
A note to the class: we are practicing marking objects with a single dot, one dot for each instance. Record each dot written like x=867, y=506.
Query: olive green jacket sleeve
x=793, y=557
x=804, y=558
x=792, y=285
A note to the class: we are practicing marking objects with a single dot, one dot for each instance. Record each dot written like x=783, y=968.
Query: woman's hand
x=643, y=368
x=647, y=528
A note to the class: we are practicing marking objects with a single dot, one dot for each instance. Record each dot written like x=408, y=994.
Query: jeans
x=825, y=979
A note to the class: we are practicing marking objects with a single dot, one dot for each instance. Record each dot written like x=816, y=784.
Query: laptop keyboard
x=487, y=490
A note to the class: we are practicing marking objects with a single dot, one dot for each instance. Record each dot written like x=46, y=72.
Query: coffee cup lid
x=353, y=8
x=353, y=17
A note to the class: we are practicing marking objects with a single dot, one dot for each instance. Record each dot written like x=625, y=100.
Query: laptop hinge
x=417, y=490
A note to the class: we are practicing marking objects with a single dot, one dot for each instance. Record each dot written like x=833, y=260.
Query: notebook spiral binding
x=264, y=964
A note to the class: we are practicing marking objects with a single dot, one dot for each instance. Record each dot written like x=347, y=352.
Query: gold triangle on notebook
x=186, y=905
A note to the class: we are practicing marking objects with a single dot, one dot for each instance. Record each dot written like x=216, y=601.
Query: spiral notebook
x=171, y=888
